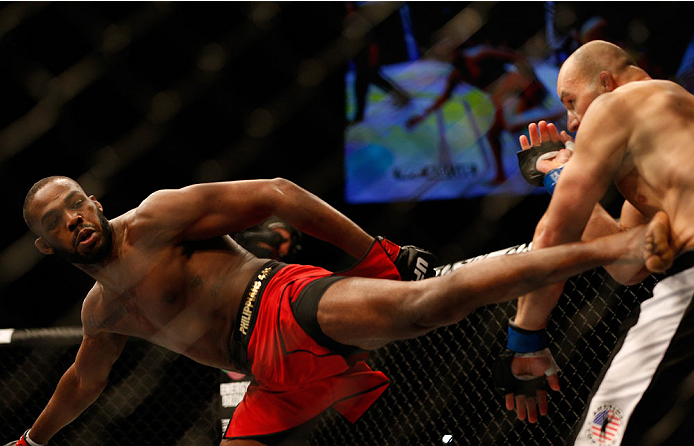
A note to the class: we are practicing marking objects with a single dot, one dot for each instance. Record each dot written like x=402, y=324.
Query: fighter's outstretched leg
x=370, y=313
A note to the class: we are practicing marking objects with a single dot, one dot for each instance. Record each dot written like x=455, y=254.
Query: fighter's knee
x=427, y=311
x=401, y=315
x=441, y=305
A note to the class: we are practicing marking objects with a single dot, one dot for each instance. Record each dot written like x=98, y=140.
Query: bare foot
x=657, y=252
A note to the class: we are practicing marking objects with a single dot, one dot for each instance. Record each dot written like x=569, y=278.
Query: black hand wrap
x=254, y=240
x=527, y=161
x=264, y=241
x=415, y=263
x=506, y=382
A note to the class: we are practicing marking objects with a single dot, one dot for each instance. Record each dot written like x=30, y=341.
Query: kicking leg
x=370, y=313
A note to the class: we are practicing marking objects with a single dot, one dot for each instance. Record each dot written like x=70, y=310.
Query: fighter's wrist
x=529, y=159
x=31, y=442
x=550, y=180
x=521, y=340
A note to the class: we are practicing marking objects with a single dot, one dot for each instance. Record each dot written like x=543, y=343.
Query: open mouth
x=85, y=237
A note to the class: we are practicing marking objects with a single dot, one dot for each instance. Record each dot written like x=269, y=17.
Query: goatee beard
x=98, y=254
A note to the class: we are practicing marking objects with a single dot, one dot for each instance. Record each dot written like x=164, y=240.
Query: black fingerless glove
x=412, y=263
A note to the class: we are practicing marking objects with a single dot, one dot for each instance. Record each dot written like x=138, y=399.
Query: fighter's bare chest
x=145, y=295
x=168, y=290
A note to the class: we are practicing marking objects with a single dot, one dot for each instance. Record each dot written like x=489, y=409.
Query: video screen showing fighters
x=443, y=124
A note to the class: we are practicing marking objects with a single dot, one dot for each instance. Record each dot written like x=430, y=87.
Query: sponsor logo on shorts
x=247, y=311
x=605, y=425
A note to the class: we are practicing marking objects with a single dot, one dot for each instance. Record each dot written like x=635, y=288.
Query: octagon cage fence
x=441, y=388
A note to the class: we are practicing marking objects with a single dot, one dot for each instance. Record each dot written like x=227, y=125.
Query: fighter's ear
x=607, y=81
x=43, y=246
x=93, y=198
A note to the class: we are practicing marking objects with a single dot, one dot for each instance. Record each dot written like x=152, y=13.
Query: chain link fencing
x=441, y=390
x=154, y=396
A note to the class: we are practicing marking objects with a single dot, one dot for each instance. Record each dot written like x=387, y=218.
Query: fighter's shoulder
x=623, y=102
x=91, y=307
x=638, y=91
x=163, y=215
x=158, y=208
x=155, y=202
x=168, y=202
x=649, y=99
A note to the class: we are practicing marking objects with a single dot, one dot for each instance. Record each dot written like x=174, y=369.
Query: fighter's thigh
x=369, y=313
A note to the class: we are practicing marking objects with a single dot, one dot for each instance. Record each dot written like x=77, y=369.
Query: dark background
x=133, y=97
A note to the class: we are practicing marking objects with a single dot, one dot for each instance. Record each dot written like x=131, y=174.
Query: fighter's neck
x=633, y=73
x=105, y=269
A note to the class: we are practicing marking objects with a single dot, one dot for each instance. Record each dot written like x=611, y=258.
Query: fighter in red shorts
x=168, y=272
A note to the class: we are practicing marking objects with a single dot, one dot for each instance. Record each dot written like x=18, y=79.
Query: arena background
x=132, y=97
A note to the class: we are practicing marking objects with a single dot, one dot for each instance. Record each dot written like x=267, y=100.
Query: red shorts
x=295, y=378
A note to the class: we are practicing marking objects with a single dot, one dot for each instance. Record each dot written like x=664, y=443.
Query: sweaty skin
x=631, y=130
x=166, y=272
x=164, y=280
x=647, y=151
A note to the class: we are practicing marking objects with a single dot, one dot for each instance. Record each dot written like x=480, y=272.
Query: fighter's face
x=72, y=224
x=576, y=93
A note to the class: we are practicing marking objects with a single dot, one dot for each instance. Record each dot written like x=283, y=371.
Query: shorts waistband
x=683, y=261
x=248, y=313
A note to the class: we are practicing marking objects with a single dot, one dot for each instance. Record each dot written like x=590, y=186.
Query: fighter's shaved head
x=597, y=56
x=35, y=188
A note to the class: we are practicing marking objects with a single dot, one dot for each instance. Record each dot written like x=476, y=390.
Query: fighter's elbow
x=90, y=389
x=282, y=186
x=279, y=192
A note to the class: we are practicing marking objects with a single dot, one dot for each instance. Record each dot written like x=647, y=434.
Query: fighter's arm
x=81, y=384
x=599, y=151
x=600, y=223
x=203, y=211
x=600, y=148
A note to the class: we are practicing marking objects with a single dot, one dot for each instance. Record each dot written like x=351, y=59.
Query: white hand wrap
x=30, y=441
x=551, y=370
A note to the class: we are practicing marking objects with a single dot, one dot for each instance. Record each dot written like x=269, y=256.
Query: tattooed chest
x=165, y=307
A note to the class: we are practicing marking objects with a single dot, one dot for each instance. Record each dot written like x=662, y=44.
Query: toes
x=658, y=253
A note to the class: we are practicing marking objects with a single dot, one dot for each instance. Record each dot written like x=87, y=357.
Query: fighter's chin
x=90, y=244
x=98, y=254
x=92, y=252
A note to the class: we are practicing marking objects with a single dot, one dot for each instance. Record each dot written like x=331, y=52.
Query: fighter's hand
x=524, y=377
x=411, y=262
x=533, y=367
x=543, y=132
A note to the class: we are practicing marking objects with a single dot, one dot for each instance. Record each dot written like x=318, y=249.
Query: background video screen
x=443, y=124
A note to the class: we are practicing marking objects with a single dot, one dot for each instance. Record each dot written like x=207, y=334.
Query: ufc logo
x=420, y=268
